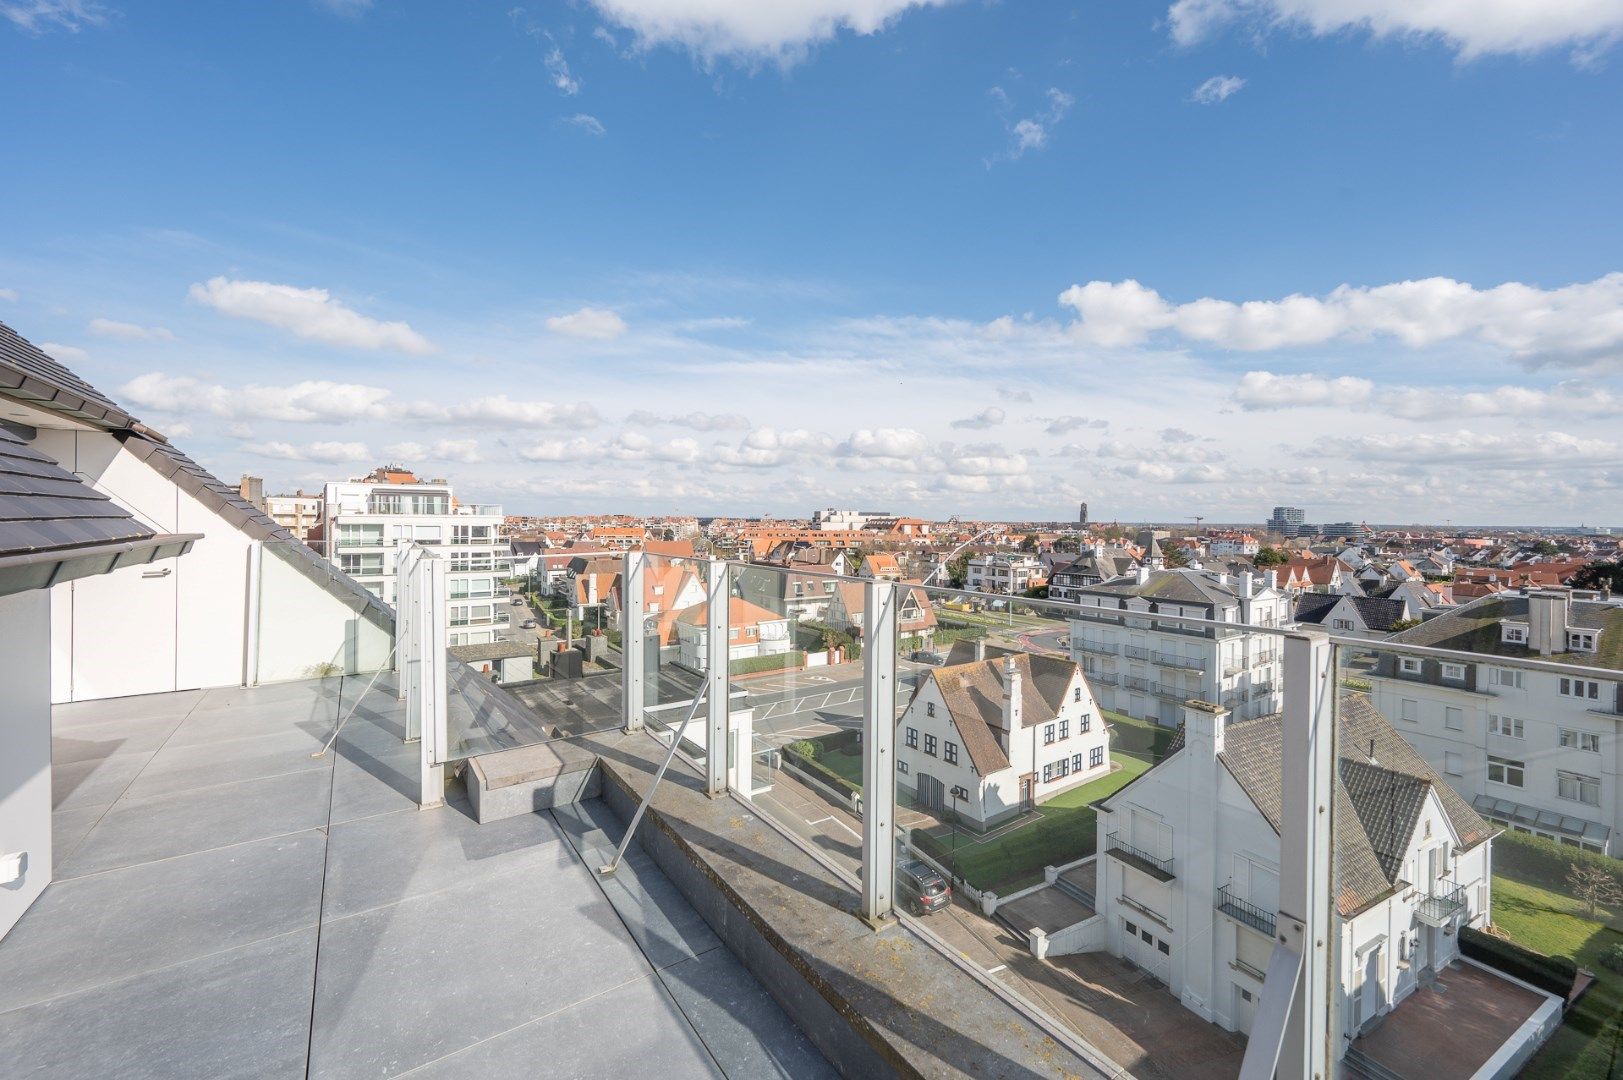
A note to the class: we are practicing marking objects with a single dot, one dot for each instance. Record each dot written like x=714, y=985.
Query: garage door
x=1146, y=948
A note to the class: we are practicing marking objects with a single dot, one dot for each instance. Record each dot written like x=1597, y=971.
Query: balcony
x=1261, y=690
x=1188, y=663
x=1259, y=919
x=1262, y=658
x=1138, y=858
x=1103, y=678
x=1173, y=693
x=1443, y=905
x=1233, y=668
x=1098, y=647
x=1135, y=652
x=1134, y=682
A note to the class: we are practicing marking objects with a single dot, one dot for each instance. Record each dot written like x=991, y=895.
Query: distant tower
x=1082, y=516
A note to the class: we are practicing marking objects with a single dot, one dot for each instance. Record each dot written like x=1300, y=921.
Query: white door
x=1367, y=1002
x=1245, y=1008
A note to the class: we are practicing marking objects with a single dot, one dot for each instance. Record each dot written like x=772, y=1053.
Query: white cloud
x=68, y=354
x=587, y=123
x=991, y=416
x=589, y=322
x=767, y=446
x=463, y=451
x=1563, y=400
x=311, y=314
x=1031, y=133
x=1471, y=27
x=129, y=331
x=558, y=69
x=698, y=421
x=325, y=453
x=1265, y=390
x=750, y=30
x=1581, y=322
x=9, y=295
x=557, y=450
x=502, y=410
x=1064, y=425
x=1484, y=449
x=38, y=16
x=1217, y=88
x=1022, y=397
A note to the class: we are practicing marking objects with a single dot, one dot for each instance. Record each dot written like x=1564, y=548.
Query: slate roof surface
x=1177, y=586
x=43, y=507
x=973, y=694
x=1475, y=627
x=28, y=373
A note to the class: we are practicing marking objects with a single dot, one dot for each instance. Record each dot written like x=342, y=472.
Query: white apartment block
x=367, y=524
x=1147, y=668
x=1534, y=751
x=297, y=513
x=991, y=738
x=1188, y=867
x=1005, y=572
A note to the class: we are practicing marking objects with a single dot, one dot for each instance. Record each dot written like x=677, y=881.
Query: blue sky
x=715, y=256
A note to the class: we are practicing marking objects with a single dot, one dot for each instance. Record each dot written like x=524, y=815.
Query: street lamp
x=958, y=792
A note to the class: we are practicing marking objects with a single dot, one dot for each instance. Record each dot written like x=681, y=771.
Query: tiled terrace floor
x=226, y=905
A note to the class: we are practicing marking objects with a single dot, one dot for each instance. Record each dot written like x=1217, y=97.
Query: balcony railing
x=1233, y=668
x=1191, y=663
x=1103, y=678
x=1173, y=693
x=1438, y=908
x=1259, y=919
x=1259, y=690
x=1267, y=657
x=1133, y=682
x=1138, y=857
x=1135, y=652
x=1096, y=647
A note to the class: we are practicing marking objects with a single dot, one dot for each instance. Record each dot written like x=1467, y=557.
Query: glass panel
x=675, y=638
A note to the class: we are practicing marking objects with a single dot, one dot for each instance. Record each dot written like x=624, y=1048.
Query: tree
x=958, y=571
x=1601, y=575
x=1270, y=556
x=1175, y=556
x=1029, y=543
x=1403, y=624
x=1594, y=886
x=1546, y=548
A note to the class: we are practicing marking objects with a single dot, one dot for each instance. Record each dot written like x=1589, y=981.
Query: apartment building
x=1147, y=668
x=366, y=524
x=1098, y=563
x=1534, y=751
x=1008, y=573
x=298, y=513
x=1188, y=867
x=991, y=738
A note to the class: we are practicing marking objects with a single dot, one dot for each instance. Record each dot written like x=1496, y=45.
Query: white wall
x=25, y=748
x=303, y=626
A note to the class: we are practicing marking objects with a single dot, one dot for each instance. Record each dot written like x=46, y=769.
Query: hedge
x=961, y=633
x=819, y=770
x=1546, y=863
x=813, y=634
x=1555, y=974
x=749, y=665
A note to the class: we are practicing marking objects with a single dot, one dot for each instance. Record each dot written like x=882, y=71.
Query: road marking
x=820, y=820
x=1000, y=967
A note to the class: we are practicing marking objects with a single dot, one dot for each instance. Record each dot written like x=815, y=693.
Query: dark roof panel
x=29, y=374
x=44, y=508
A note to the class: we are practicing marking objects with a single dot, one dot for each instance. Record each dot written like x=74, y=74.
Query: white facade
x=366, y=525
x=1147, y=668
x=298, y=514
x=1006, y=573
x=1042, y=754
x=1189, y=890
x=25, y=752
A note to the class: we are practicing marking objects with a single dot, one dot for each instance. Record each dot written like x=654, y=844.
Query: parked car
x=517, y=601
x=527, y=624
x=925, y=656
x=921, y=888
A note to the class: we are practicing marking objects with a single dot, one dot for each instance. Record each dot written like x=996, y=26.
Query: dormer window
x=1581, y=640
x=1455, y=672
x=1515, y=634
x=1409, y=665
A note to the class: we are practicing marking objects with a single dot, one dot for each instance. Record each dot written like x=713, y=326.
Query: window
x=1409, y=665
x=1503, y=676
x=1131, y=927
x=1454, y=671
x=1342, y=624
x=901, y=767
x=1048, y=773
x=1166, y=950
x=1085, y=724
x=1065, y=728
x=1453, y=763
x=1453, y=718
x=1146, y=937
x=1076, y=762
x=1581, y=640
x=1506, y=771
x=913, y=737
x=1578, y=788
x=950, y=753
x=1048, y=734
x=1062, y=767
x=1509, y=726
x=1078, y=696
x=1096, y=756
x=929, y=744
x=1580, y=740
x=1515, y=634
x=1581, y=688
x=929, y=708
x=1409, y=709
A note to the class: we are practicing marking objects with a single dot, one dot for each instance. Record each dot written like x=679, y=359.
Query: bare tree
x=1594, y=886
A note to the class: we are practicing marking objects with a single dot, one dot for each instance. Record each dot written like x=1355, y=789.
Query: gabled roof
x=30, y=375
x=1475, y=628
x=43, y=507
x=973, y=694
x=1181, y=586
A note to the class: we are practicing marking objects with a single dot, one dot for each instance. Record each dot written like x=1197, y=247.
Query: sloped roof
x=43, y=507
x=1181, y=586
x=973, y=694
x=1475, y=628
x=31, y=375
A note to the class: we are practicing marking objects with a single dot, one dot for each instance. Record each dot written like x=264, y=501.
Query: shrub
x=1554, y=974
x=749, y=665
x=1538, y=861
x=804, y=748
x=1612, y=956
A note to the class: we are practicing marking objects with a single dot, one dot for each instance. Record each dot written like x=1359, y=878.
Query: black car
x=921, y=889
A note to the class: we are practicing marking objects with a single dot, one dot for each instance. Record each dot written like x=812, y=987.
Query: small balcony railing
x=1172, y=693
x=1443, y=905
x=1096, y=647
x=1133, y=682
x=1232, y=669
x=1264, y=658
x=1190, y=663
x=1138, y=857
x=1259, y=919
x=1103, y=678
x=1135, y=652
x=1261, y=690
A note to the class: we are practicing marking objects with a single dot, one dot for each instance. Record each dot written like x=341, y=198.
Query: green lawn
x=1590, y=1043
x=1141, y=738
x=847, y=765
x=1062, y=832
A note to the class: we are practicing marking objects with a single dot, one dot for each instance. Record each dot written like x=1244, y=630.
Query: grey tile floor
x=225, y=905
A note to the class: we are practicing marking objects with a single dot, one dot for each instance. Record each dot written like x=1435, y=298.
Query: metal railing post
x=632, y=638
x=1291, y=1035
x=878, y=750
x=428, y=592
x=718, y=624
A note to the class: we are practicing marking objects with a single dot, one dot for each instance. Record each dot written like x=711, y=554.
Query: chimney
x=1272, y=578
x=1547, y=621
x=1143, y=575
x=1248, y=584
x=980, y=649
x=1204, y=725
x=1011, y=695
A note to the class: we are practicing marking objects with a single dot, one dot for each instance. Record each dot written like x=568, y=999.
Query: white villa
x=993, y=737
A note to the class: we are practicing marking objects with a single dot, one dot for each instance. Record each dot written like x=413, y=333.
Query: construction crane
x=1197, y=519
